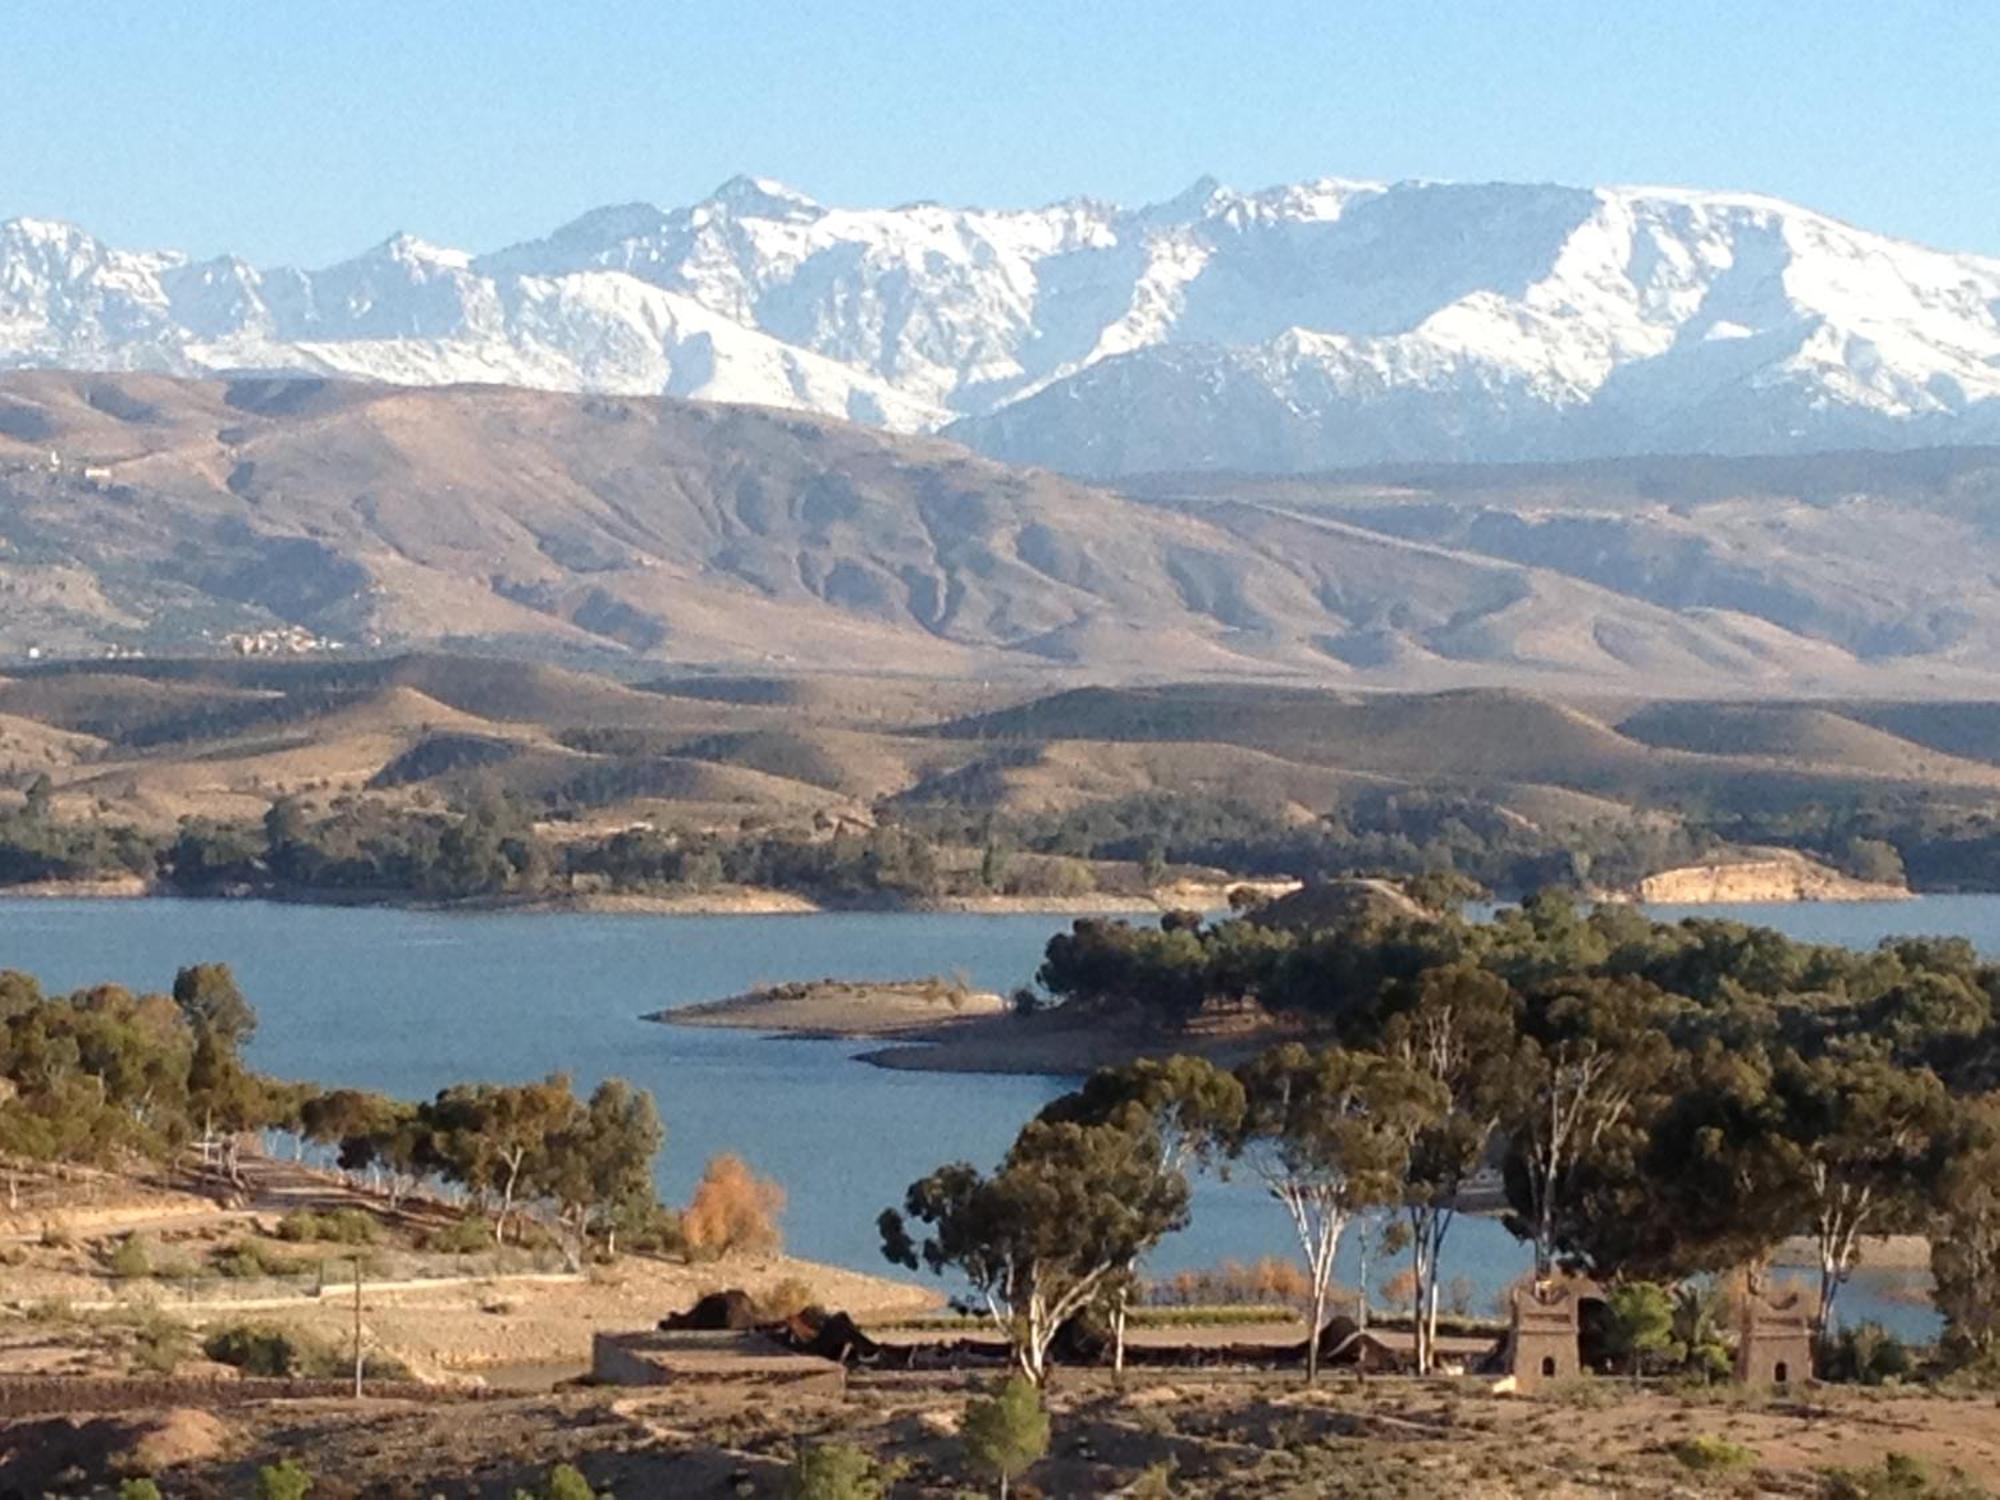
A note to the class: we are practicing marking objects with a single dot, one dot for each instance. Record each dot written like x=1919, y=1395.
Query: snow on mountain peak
x=1330, y=321
x=762, y=195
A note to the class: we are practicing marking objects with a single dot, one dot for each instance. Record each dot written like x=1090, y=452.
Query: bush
x=733, y=1210
x=130, y=1260
x=255, y=1349
x=343, y=1226
x=138, y=1489
x=246, y=1259
x=261, y=1349
x=467, y=1236
x=1901, y=1477
x=1868, y=1354
x=836, y=1471
x=160, y=1345
x=1705, y=1454
x=286, y=1480
x=564, y=1483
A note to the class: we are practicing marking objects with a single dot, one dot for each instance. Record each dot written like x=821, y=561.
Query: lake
x=408, y=1002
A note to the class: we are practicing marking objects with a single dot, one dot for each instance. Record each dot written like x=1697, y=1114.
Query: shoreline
x=771, y=901
x=721, y=902
x=936, y=1026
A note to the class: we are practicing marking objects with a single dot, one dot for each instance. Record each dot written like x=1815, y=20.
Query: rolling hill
x=142, y=513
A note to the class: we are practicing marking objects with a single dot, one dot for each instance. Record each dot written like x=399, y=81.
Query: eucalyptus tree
x=1328, y=1133
x=1068, y=1209
x=1185, y=1108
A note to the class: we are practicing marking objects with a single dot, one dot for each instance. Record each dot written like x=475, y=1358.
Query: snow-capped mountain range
x=1327, y=323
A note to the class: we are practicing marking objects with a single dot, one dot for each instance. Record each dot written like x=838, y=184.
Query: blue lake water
x=408, y=1002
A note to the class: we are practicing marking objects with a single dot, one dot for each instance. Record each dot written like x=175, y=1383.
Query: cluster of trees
x=1660, y=1101
x=104, y=1074
x=1401, y=832
x=36, y=846
x=587, y=1161
x=490, y=847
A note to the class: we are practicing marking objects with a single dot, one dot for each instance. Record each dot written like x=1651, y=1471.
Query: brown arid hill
x=151, y=741
x=146, y=513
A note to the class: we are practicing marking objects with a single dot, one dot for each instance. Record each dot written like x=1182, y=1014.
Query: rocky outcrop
x=1773, y=875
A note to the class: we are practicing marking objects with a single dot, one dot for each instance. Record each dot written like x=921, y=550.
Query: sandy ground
x=467, y=1327
x=1222, y=1439
x=444, y=1315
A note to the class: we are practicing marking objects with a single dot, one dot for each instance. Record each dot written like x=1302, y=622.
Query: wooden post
x=357, y=1327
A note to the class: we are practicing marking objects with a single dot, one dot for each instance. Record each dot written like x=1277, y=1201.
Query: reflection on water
x=410, y=1001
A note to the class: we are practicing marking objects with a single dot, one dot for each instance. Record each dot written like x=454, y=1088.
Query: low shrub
x=341, y=1226
x=467, y=1236
x=1900, y=1477
x=247, y=1259
x=1707, y=1454
x=286, y=1480
x=564, y=1483
x=130, y=1260
x=1868, y=1354
x=836, y=1471
x=262, y=1349
x=160, y=1344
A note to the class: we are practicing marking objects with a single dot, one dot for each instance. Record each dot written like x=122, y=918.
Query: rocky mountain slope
x=1326, y=323
x=149, y=513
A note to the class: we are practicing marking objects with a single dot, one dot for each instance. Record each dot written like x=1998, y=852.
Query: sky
x=303, y=131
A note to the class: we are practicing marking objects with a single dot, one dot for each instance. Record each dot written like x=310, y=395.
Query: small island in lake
x=843, y=1008
x=942, y=1026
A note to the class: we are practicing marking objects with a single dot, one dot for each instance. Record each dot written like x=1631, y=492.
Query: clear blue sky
x=305, y=130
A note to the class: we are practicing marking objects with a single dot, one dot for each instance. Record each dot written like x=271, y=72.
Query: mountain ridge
x=1320, y=324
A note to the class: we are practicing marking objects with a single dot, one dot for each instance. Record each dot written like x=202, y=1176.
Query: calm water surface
x=410, y=1001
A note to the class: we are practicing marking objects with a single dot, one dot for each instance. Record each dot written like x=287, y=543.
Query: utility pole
x=357, y=1326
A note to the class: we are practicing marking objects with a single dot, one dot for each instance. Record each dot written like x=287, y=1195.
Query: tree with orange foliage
x=733, y=1209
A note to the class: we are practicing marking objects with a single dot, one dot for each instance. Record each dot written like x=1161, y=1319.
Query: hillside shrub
x=130, y=1260
x=341, y=1226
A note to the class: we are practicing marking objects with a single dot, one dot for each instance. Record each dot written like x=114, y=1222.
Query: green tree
x=1185, y=1107
x=1698, y=1345
x=1865, y=1140
x=1639, y=1323
x=1328, y=1133
x=496, y=1138
x=1005, y=1434
x=1965, y=1238
x=600, y=1169
x=138, y=1489
x=1070, y=1207
x=209, y=997
x=1459, y=1031
x=1594, y=1053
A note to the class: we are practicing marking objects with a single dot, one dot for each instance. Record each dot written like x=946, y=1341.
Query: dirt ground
x=448, y=1316
x=1231, y=1440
